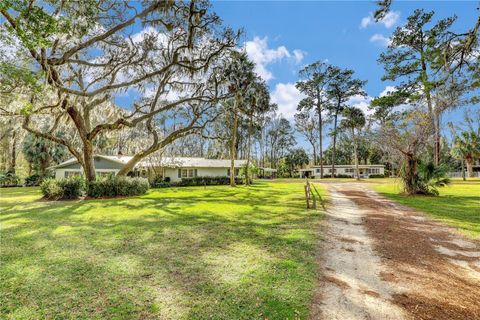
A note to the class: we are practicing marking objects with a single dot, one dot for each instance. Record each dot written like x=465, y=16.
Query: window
x=72, y=173
x=187, y=173
x=349, y=170
x=104, y=173
x=318, y=170
x=237, y=171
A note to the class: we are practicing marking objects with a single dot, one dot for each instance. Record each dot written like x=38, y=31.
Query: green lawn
x=458, y=204
x=180, y=253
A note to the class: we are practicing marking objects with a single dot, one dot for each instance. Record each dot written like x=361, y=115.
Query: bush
x=34, y=180
x=208, y=181
x=343, y=176
x=117, y=186
x=9, y=179
x=376, y=176
x=72, y=187
x=160, y=182
x=51, y=189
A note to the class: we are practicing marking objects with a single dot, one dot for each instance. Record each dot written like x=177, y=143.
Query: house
x=343, y=169
x=173, y=169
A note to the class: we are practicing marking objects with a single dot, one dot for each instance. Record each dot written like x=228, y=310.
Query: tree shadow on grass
x=168, y=259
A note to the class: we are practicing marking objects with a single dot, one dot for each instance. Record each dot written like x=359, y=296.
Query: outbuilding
x=365, y=170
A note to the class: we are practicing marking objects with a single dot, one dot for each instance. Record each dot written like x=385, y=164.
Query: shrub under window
x=51, y=189
x=69, y=188
x=117, y=186
x=207, y=181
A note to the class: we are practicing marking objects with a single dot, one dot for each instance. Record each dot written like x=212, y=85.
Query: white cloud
x=366, y=21
x=387, y=90
x=361, y=102
x=258, y=50
x=380, y=39
x=390, y=19
x=287, y=97
x=298, y=55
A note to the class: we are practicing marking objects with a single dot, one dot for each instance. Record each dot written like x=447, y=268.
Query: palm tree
x=353, y=118
x=466, y=146
x=239, y=75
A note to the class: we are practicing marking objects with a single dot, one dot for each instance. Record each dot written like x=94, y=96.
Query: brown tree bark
x=469, y=164
x=334, y=139
x=320, y=136
x=13, y=155
x=356, y=153
x=249, y=147
x=233, y=142
x=410, y=174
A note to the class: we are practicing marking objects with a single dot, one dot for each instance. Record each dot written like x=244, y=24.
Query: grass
x=179, y=253
x=458, y=204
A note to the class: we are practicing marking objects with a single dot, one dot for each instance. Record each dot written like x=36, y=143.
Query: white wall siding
x=365, y=170
x=60, y=173
x=201, y=172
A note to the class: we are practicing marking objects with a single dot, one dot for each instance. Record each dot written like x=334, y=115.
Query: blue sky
x=283, y=36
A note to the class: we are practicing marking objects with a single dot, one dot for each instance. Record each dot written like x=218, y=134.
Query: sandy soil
x=380, y=260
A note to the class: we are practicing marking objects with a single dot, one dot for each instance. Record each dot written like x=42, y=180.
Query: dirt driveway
x=380, y=260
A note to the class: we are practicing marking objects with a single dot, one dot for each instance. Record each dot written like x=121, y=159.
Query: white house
x=173, y=168
x=343, y=169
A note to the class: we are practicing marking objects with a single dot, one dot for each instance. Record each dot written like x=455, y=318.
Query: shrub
x=34, y=180
x=117, y=186
x=208, y=181
x=160, y=182
x=9, y=179
x=72, y=187
x=426, y=180
x=376, y=176
x=340, y=175
x=51, y=189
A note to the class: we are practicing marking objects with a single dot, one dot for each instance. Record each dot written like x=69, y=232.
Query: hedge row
x=376, y=176
x=117, y=186
x=70, y=188
x=75, y=187
x=208, y=181
x=195, y=181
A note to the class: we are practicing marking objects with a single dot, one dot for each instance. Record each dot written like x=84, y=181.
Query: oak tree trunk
x=88, y=161
x=13, y=160
x=469, y=163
